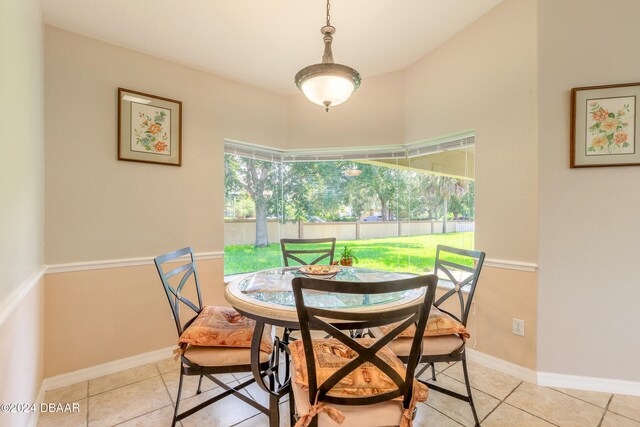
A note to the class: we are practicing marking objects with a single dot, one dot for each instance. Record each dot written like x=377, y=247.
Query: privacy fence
x=243, y=232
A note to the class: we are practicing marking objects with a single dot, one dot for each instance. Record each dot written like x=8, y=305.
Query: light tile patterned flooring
x=144, y=396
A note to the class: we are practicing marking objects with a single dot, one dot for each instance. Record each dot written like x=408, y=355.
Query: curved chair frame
x=176, y=301
x=459, y=355
x=292, y=254
x=318, y=319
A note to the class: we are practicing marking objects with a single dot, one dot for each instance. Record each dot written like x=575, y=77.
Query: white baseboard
x=525, y=374
x=86, y=374
x=604, y=385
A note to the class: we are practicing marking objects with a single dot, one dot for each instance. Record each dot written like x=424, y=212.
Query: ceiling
x=264, y=43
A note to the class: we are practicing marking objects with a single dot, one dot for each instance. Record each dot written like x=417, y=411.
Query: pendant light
x=328, y=84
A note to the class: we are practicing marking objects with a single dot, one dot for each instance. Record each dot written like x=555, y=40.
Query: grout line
x=582, y=400
x=523, y=410
x=606, y=408
x=166, y=387
x=501, y=401
x=615, y=413
x=442, y=413
x=142, y=415
x=533, y=415
x=124, y=385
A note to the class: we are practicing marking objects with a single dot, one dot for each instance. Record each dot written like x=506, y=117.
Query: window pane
x=390, y=214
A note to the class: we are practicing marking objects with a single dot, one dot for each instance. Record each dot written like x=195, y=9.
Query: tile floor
x=144, y=396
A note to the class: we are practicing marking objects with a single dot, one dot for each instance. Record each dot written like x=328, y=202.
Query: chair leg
x=468, y=384
x=274, y=411
x=199, y=385
x=424, y=368
x=175, y=412
x=292, y=409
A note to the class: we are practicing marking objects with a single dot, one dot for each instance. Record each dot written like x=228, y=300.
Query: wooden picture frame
x=605, y=125
x=149, y=128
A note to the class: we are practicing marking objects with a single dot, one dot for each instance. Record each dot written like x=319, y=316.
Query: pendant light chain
x=327, y=83
x=328, y=15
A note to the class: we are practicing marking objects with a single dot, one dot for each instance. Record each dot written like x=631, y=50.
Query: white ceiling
x=265, y=43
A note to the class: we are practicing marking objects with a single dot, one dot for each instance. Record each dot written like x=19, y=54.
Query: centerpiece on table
x=347, y=257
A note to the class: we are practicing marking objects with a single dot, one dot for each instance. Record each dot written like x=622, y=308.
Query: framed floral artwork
x=604, y=126
x=149, y=128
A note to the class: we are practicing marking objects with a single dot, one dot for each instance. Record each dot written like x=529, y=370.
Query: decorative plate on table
x=320, y=271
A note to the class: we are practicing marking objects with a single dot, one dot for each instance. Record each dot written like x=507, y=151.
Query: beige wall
x=100, y=208
x=501, y=295
x=484, y=79
x=519, y=60
x=98, y=316
x=22, y=206
x=588, y=286
x=372, y=116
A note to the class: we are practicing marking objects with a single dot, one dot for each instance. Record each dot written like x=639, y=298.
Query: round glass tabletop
x=274, y=288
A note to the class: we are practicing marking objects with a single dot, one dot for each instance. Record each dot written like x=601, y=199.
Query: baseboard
x=492, y=362
x=604, y=385
x=86, y=374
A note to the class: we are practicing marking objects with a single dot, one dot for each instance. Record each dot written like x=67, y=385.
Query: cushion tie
x=179, y=351
x=416, y=396
x=316, y=408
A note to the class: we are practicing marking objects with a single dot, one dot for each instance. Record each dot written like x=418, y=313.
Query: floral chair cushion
x=366, y=380
x=223, y=327
x=439, y=323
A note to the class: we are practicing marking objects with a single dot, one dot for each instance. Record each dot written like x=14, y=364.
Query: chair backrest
x=177, y=281
x=334, y=321
x=461, y=267
x=298, y=250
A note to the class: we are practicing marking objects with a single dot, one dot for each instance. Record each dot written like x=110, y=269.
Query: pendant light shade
x=328, y=84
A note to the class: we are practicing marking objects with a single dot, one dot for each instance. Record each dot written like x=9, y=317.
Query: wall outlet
x=518, y=327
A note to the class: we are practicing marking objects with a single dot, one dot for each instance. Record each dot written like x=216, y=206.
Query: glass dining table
x=267, y=297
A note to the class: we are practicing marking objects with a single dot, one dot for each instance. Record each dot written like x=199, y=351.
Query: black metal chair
x=203, y=361
x=298, y=249
x=462, y=268
x=365, y=354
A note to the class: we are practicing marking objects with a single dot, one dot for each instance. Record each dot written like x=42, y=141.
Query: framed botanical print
x=149, y=128
x=604, y=126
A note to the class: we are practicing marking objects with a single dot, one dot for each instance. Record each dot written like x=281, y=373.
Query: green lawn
x=413, y=254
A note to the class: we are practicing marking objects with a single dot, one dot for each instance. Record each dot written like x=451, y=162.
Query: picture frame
x=149, y=128
x=605, y=126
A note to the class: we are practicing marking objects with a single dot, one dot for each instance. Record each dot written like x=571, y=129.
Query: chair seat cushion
x=439, y=323
x=221, y=356
x=387, y=413
x=444, y=344
x=366, y=380
x=223, y=327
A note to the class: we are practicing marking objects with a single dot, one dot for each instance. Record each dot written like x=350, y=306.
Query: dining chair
x=305, y=252
x=298, y=250
x=224, y=329
x=357, y=381
x=445, y=335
